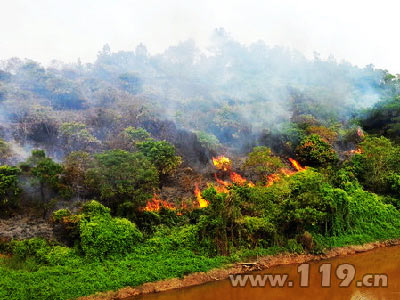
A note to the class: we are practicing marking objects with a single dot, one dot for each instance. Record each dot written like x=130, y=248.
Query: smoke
x=233, y=91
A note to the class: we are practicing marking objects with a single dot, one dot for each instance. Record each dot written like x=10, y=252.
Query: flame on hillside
x=155, y=204
x=356, y=151
x=222, y=163
x=272, y=178
x=236, y=178
x=201, y=201
x=296, y=165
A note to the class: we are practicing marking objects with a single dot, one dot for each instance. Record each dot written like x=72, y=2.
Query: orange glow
x=287, y=172
x=155, y=204
x=272, y=178
x=221, y=189
x=202, y=202
x=222, y=163
x=296, y=165
x=236, y=178
x=356, y=151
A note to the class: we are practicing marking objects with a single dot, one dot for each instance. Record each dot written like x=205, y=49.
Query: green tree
x=162, y=154
x=375, y=165
x=315, y=151
x=118, y=176
x=76, y=165
x=77, y=136
x=47, y=174
x=261, y=162
x=5, y=152
x=9, y=186
x=129, y=138
x=101, y=235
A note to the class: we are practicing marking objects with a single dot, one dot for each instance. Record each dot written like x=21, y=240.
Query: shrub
x=315, y=151
x=35, y=247
x=102, y=236
x=60, y=214
x=59, y=255
x=294, y=247
x=94, y=208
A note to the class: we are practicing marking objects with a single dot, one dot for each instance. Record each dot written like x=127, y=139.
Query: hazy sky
x=361, y=32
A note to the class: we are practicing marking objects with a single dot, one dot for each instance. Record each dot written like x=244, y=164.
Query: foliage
x=93, y=208
x=76, y=165
x=5, y=152
x=103, y=235
x=383, y=118
x=60, y=214
x=9, y=186
x=261, y=162
x=76, y=136
x=377, y=163
x=118, y=176
x=162, y=155
x=210, y=141
x=314, y=151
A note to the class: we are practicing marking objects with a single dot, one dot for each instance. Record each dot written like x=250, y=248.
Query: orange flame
x=222, y=163
x=272, y=178
x=202, y=202
x=236, y=178
x=356, y=151
x=155, y=204
x=287, y=172
x=224, y=183
x=296, y=165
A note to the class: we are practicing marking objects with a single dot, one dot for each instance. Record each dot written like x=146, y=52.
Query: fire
x=155, y=204
x=221, y=189
x=222, y=163
x=272, y=178
x=287, y=172
x=236, y=178
x=296, y=165
x=356, y=151
x=202, y=202
x=224, y=183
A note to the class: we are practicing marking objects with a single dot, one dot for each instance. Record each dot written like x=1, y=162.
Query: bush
x=294, y=247
x=102, y=236
x=119, y=176
x=94, y=208
x=315, y=151
x=36, y=248
x=9, y=186
x=162, y=155
x=60, y=255
x=60, y=214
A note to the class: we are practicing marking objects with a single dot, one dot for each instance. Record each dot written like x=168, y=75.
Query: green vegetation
x=9, y=187
x=119, y=176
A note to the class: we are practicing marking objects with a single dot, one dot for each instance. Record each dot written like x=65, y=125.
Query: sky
x=361, y=32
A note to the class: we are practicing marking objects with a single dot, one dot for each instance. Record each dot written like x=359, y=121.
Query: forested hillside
x=148, y=167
